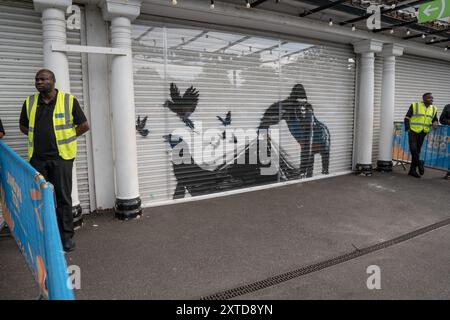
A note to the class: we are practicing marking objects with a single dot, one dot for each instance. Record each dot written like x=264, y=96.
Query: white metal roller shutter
x=20, y=58
x=327, y=73
x=237, y=73
x=150, y=93
x=377, y=107
x=417, y=75
x=76, y=88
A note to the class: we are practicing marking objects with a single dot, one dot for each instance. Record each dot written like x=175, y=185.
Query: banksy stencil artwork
x=312, y=135
x=228, y=110
x=184, y=105
x=140, y=126
x=208, y=161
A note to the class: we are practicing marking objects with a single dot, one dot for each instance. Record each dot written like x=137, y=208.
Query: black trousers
x=59, y=174
x=415, y=145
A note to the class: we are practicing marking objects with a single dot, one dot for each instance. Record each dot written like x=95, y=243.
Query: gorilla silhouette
x=312, y=135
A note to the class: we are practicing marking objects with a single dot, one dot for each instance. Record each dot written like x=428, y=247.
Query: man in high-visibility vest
x=53, y=120
x=420, y=117
x=445, y=120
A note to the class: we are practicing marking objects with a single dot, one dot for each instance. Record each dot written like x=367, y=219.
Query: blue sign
x=28, y=208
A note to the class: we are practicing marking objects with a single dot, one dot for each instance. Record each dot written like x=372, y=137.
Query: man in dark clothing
x=445, y=120
x=418, y=120
x=52, y=120
x=2, y=131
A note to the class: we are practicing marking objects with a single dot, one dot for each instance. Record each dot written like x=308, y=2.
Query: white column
x=389, y=53
x=54, y=32
x=364, y=121
x=128, y=203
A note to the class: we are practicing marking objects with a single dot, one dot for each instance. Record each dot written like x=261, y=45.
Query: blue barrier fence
x=435, y=150
x=28, y=208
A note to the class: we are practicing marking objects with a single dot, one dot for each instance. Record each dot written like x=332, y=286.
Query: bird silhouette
x=140, y=125
x=183, y=106
x=227, y=120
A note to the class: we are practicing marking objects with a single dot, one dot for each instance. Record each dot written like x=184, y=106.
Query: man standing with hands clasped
x=53, y=120
x=418, y=120
x=445, y=120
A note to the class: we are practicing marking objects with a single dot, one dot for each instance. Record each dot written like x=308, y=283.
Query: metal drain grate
x=249, y=288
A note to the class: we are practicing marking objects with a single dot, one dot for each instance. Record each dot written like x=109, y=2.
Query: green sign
x=434, y=10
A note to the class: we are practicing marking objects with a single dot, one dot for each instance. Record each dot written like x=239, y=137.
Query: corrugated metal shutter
x=20, y=58
x=242, y=74
x=417, y=75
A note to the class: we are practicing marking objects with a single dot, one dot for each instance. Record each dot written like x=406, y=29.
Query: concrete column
x=128, y=202
x=364, y=121
x=54, y=32
x=389, y=53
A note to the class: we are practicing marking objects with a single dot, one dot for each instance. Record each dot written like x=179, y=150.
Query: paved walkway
x=196, y=249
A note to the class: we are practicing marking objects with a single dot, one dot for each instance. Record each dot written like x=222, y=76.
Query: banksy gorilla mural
x=245, y=159
x=312, y=135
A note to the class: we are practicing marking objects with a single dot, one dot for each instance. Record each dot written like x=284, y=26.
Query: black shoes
x=414, y=173
x=68, y=245
x=421, y=168
x=447, y=176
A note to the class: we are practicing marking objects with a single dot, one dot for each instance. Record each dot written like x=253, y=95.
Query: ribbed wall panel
x=238, y=73
x=377, y=107
x=416, y=76
x=413, y=77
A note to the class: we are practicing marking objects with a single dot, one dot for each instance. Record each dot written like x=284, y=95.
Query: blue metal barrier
x=435, y=150
x=28, y=208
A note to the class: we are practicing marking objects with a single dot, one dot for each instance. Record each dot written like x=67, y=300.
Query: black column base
x=384, y=166
x=77, y=214
x=126, y=209
x=364, y=169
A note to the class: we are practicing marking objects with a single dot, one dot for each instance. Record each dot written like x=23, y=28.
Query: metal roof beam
x=442, y=32
x=323, y=7
x=367, y=15
x=401, y=24
x=438, y=41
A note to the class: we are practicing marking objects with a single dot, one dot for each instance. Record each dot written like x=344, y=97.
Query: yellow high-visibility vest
x=422, y=117
x=66, y=136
